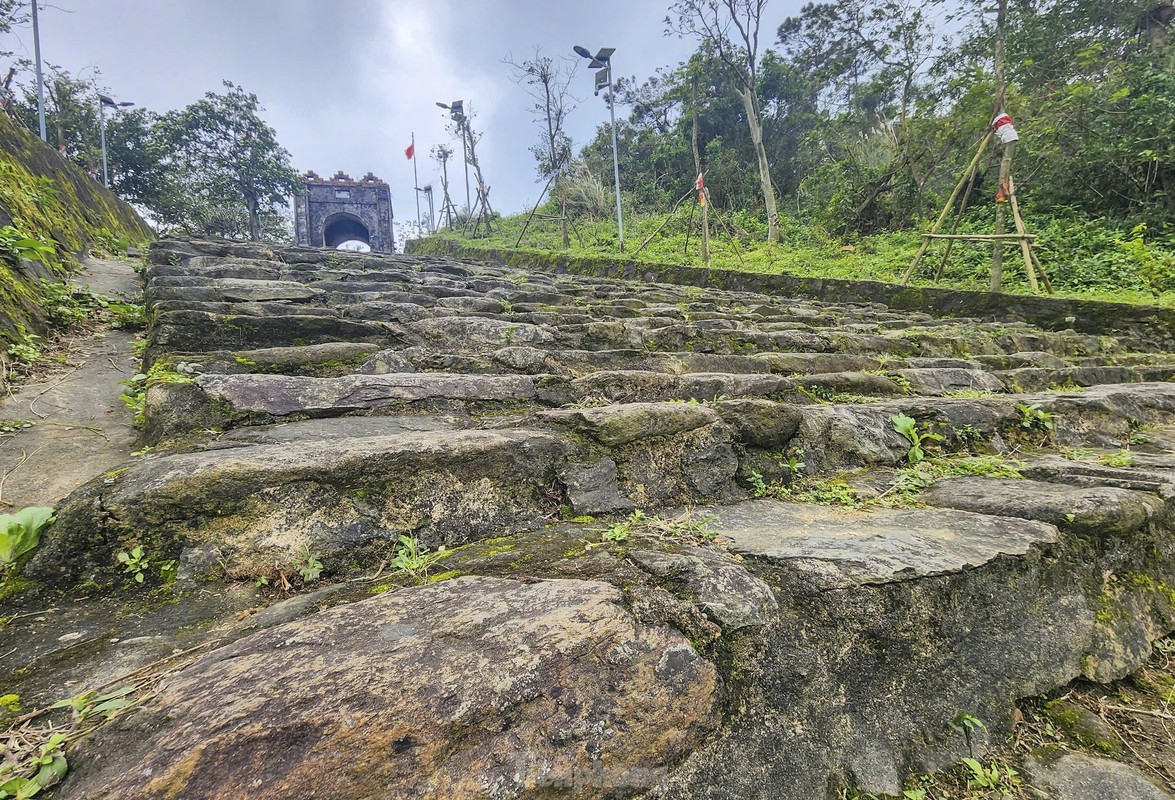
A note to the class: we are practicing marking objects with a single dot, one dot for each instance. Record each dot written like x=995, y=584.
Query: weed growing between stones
x=1033, y=418
x=20, y=533
x=1123, y=458
x=414, y=560
x=684, y=528
x=908, y=428
x=134, y=396
x=136, y=564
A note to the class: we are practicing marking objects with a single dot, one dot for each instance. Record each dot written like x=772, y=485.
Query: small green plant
x=758, y=485
x=1123, y=458
x=14, y=246
x=134, y=562
x=683, y=528
x=831, y=493
x=908, y=428
x=21, y=532
x=308, y=566
x=902, y=382
x=968, y=725
x=25, y=348
x=992, y=778
x=36, y=771
x=134, y=396
x=413, y=559
x=1032, y=417
x=10, y=427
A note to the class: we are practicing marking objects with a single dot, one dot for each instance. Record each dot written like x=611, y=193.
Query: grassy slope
x=1084, y=259
x=49, y=198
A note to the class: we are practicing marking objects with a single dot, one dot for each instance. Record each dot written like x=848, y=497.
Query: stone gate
x=330, y=212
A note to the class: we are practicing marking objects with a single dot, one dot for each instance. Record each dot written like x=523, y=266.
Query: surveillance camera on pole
x=457, y=114
x=602, y=61
x=105, y=102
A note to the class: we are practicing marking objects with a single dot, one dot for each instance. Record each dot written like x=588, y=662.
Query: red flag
x=410, y=151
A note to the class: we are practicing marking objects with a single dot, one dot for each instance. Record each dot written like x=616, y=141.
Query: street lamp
x=457, y=113
x=103, y=102
x=602, y=61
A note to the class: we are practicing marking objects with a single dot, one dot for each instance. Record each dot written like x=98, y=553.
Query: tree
x=230, y=154
x=548, y=83
x=712, y=21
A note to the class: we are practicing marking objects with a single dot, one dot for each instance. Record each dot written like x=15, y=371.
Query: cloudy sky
x=347, y=82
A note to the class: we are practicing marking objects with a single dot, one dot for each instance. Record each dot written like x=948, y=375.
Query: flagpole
x=415, y=180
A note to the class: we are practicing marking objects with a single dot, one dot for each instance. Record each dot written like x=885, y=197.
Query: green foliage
x=134, y=562
x=1154, y=267
x=1122, y=458
x=308, y=566
x=25, y=348
x=413, y=559
x=908, y=428
x=14, y=246
x=992, y=778
x=36, y=771
x=225, y=155
x=1033, y=418
x=683, y=528
x=968, y=725
x=21, y=531
x=134, y=396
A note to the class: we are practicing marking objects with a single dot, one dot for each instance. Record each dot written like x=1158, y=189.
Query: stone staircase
x=854, y=603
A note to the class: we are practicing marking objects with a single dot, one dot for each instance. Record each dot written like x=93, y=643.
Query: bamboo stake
x=538, y=203
x=946, y=209
x=1025, y=247
x=664, y=222
x=963, y=204
x=979, y=237
x=729, y=231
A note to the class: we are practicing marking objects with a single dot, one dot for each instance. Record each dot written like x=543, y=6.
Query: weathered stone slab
x=621, y=424
x=1098, y=511
x=283, y=395
x=848, y=548
x=454, y=690
x=334, y=496
x=308, y=359
x=1076, y=776
x=943, y=380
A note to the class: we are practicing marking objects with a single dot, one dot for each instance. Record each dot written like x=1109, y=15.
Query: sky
x=347, y=83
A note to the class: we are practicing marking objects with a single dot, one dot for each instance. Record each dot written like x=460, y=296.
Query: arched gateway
x=329, y=213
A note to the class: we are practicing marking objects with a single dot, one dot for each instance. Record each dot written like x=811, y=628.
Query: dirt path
x=82, y=427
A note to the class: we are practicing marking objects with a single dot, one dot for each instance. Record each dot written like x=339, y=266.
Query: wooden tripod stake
x=998, y=239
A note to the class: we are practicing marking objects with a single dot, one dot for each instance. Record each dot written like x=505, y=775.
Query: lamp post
x=457, y=113
x=602, y=61
x=103, y=102
x=40, y=77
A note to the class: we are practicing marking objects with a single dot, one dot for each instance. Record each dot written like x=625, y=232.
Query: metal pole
x=615, y=158
x=40, y=79
x=102, y=127
x=415, y=179
x=464, y=125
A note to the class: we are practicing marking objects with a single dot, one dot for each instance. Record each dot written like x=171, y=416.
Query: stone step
x=226, y=400
x=195, y=331
x=347, y=498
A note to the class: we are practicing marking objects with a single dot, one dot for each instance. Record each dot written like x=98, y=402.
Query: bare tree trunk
x=755, y=123
x=254, y=218
x=997, y=253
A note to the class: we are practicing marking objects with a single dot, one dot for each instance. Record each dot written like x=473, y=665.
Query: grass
x=810, y=251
